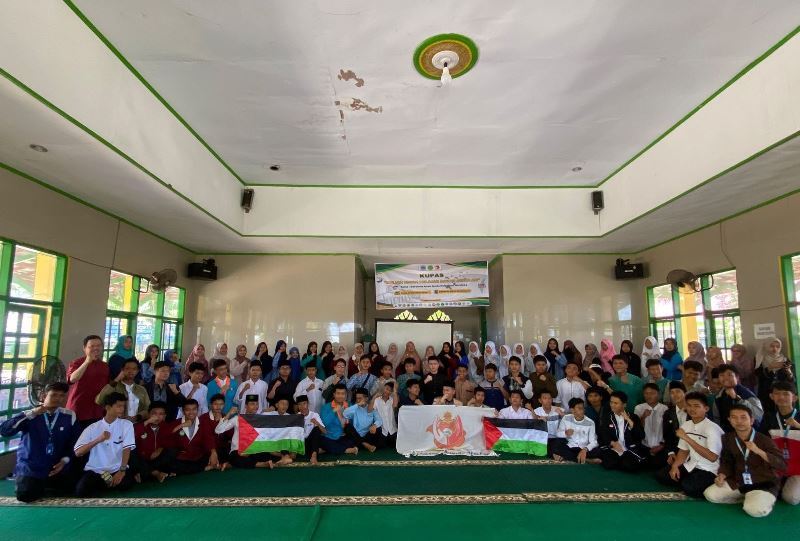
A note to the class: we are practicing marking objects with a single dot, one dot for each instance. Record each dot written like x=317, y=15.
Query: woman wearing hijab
x=696, y=353
x=261, y=349
x=311, y=358
x=650, y=349
x=714, y=359
x=429, y=352
x=607, y=352
x=771, y=366
x=529, y=366
x=221, y=353
x=240, y=364
x=634, y=361
x=474, y=362
x=280, y=355
x=393, y=357
x=505, y=354
x=172, y=358
x=571, y=353
x=352, y=364
x=671, y=360
x=374, y=352
x=410, y=352
x=448, y=359
x=295, y=363
x=591, y=355
x=745, y=365
x=327, y=355
x=198, y=355
x=461, y=352
x=151, y=356
x=555, y=358
x=518, y=351
x=122, y=352
x=489, y=356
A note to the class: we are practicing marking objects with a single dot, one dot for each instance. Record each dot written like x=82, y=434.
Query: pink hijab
x=606, y=355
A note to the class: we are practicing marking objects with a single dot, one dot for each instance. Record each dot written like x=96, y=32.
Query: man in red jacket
x=194, y=441
x=154, y=444
x=87, y=376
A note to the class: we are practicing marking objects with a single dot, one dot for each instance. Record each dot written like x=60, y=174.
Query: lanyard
x=50, y=424
x=745, y=452
x=785, y=426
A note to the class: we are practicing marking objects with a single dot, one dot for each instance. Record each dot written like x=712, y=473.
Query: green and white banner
x=431, y=285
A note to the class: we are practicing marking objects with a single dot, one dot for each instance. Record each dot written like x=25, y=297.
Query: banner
x=436, y=430
x=431, y=285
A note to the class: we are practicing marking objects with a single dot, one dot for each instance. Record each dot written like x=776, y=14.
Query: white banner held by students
x=436, y=430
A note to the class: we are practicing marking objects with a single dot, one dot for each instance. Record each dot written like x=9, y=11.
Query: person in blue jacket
x=671, y=360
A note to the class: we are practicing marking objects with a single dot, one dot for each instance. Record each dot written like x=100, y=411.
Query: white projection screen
x=422, y=333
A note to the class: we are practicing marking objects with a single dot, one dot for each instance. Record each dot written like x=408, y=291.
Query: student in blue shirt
x=363, y=425
x=223, y=384
x=48, y=435
x=334, y=441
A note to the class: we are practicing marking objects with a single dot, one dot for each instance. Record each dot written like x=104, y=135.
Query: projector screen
x=422, y=333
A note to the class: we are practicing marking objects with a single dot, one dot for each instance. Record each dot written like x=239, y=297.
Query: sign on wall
x=431, y=285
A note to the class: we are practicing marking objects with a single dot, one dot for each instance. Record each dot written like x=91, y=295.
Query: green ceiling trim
x=460, y=39
x=672, y=128
x=150, y=87
x=107, y=144
x=427, y=186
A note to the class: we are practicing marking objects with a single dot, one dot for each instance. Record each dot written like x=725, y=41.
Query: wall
x=360, y=302
x=495, y=320
x=263, y=297
x=754, y=243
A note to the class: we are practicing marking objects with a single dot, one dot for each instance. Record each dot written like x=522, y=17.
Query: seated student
x=549, y=413
x=194, y=442
x=571, y=385
x=283, y=386
x=448, y=397
x=409, y=373
x=231, y=422
x=363, y=426
x=778, y=424
x=495, y=392
x=161, y=390
x=542, y=379
x=714, y=386
x=339, y=376
x=154, y=444
x=651, y=414
x=464, y=387
x=749, y=466
x=222, y=383
x=673, y=419
x=693, y=377
x=363, y=378
x=516, y=380
x=516, y=410
x=697, y=461
x=576, y=436
x=412, y=397
x=596, y=404
x=479, y=399
x=109, y=443
x=286, y=457
x=49, y=432
x=620, y=434
x=222, y=441
x=125, y=383
x=627, y=383
x=655, y=374
x=386, y=376
x=433, y=382
x=253, y=386
x=313, y=427
x=332, y=414
x=193, y=389
x=386, y=406
x=733, y=393
x=310, y=387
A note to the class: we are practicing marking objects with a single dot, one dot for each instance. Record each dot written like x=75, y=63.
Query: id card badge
x=50, y=450
x=785, y=453
x=747, y=479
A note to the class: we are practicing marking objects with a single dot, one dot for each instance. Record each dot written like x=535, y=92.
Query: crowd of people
x=703, y=424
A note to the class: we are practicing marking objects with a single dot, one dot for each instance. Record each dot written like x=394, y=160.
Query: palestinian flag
x=268, y=433
x=788, y=446
x=527, y=436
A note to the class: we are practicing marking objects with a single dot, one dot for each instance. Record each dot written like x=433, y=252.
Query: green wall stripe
x=149, y=87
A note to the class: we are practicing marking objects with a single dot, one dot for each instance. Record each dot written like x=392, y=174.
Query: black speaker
x=625, y=270
x=207, y=270
x=247, y=199
x=597, y=201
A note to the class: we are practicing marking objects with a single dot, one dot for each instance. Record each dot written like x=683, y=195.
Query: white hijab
x=652, y=352
x=767, y=359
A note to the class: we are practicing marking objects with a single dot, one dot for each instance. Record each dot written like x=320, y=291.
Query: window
x=710, y=317
x=438, y=315
x=31, y=303
x=151, y=317
x=405, y=315
x=790, y=265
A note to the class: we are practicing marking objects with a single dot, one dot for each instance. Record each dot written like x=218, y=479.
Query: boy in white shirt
x=109, y=443
x=253, y=386
x=194, y=389
x=577, y=438
x=697, y=461
x=549, y=413
x=571, y=386
x=651, y=413
x=311, y=388
x=516, y=410
x=386, y=405
x=313, y=426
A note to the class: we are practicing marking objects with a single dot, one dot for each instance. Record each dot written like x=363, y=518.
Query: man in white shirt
x=231, y=421
x=109, y=443
x=448, y=397
x=254, y=385
x=193, y=389
x=516, y=410
x=386, y=405
x=311, y=388
x=313, y=428
x=577, y=438
x=651, y=413
x=697, y=461
x=571, y=386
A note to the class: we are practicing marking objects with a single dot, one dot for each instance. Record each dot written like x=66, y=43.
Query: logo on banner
x=448, y=431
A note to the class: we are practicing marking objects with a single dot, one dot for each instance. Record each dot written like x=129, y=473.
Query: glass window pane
x=172, y=298
x=662, y=299
x=28, y=347
x=120, y=291
x=796, y=273
x=10, y=349
x=689, y=301
x=148, y=302
x=21, y=373
x=21, y=399
x=693, y=329
x=115, y=327
x=33, y=275
x=169, y=334
x=5, y=394
x=145, y=334
x=724, y=295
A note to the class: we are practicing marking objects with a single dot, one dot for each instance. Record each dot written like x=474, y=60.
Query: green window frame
x=790, y=271
x=32, y=283
x=711, y=317
x=150, y=317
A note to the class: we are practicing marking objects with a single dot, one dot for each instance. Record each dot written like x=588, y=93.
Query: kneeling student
x=252, y=404
x=748, y=466
x=577, y=439
x=313, y=427
x=282, y=408
x=154, y=452
x=448, y=397
x=620, y=436
x=516, y=410
x=194, y=441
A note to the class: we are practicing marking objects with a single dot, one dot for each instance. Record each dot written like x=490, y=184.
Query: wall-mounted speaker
x=597, y=201
x=247, y=199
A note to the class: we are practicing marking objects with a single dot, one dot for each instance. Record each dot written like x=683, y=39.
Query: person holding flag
x=231, y=421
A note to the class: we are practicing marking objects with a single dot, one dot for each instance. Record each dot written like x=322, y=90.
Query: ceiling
x=180, y=104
